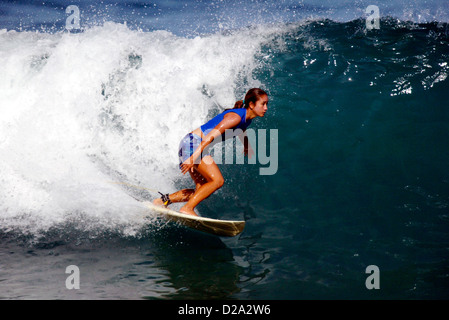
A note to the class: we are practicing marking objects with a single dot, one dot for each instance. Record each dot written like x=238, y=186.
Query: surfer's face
x=261, y=106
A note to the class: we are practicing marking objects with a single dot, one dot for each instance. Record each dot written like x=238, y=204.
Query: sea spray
x=107, y=104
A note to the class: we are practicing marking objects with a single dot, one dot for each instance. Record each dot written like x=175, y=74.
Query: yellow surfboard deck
x=225, y=228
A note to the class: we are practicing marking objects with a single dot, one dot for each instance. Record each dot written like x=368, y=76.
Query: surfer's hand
x=187, y=165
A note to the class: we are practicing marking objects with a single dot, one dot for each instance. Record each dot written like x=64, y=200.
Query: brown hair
x=252, y=95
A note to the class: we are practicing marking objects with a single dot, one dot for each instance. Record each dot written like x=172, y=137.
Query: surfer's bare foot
x=188, y=211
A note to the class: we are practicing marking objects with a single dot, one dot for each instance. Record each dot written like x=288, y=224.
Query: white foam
x=80, y=110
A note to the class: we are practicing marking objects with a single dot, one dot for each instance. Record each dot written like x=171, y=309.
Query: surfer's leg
x=189, y=143
x=179, y=196
x=197, y=178
x=209, y=170
x=184, y=194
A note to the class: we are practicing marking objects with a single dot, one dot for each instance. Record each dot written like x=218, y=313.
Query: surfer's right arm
x=229, y=121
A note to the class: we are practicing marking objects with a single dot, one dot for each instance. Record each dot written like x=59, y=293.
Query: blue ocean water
x=91, y=118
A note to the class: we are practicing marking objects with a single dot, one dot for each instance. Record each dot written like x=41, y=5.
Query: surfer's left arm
x=247, y=150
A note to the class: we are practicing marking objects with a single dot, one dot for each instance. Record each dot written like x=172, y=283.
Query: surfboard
x=224, y=228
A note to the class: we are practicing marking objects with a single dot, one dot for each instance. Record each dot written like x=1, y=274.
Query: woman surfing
x=195, y=159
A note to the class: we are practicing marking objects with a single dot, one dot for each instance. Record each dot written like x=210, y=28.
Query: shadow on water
x=199, y=266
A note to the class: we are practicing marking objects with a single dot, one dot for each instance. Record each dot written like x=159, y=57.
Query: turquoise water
x=92, y=119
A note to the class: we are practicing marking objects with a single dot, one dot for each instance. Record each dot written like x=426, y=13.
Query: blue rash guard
x=191, y=141
x=212, y=123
